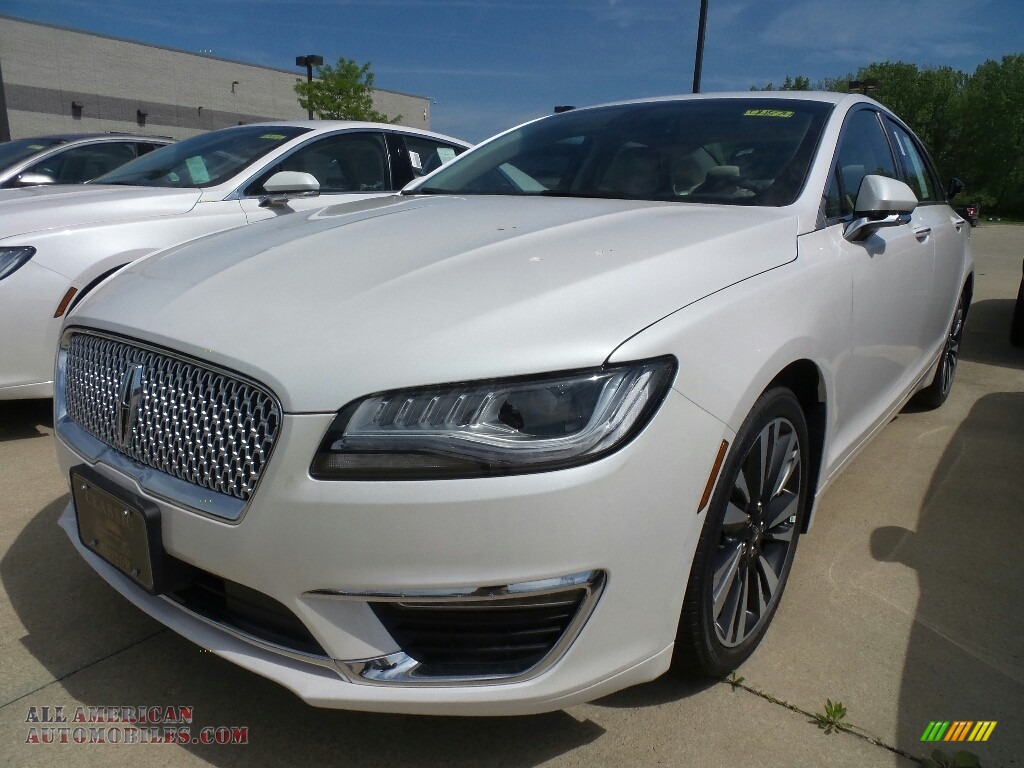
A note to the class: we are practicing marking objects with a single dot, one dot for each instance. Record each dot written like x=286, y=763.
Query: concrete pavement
x=904, y=604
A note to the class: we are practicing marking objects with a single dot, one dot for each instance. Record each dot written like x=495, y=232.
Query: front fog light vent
x=475, y=636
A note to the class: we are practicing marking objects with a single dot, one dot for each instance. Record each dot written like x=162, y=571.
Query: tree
x=801, y=83
x=994, y=133
x=341, y=92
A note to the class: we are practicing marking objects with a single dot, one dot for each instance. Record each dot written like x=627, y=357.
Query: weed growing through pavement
x=832, y=718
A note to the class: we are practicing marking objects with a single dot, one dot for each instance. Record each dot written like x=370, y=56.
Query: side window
x=346, y=162
x=915, y=168
x=80, y=164
x=145, y=147
x=427, y=154
x=863, y=151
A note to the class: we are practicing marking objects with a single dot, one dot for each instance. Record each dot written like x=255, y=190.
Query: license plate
x=120, y=527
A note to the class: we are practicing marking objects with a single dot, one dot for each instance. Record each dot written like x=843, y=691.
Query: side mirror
x=881, y=202
x=33, y=179
x=955, y=188
x=284, y=185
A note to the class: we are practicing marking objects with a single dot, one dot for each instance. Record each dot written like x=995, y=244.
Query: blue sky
x=493, y=63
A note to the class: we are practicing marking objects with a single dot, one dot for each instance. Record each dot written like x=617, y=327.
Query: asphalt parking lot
x=904, y=605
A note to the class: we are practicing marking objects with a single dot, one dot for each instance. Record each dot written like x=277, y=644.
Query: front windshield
x=752, y=151
x=12, y=152
x=202, y=161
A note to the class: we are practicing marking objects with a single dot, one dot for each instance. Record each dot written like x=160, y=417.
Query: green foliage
x=735, y=680
x=342, y=92
x=939, y=759
x=832, y=718
x=972, y=124
x=799, y=83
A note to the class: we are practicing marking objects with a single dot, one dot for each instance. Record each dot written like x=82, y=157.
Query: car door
x=890, y=275
x=942, y=226
x=349, y=165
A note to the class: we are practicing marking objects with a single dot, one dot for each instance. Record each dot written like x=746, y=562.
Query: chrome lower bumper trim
x=400, y=668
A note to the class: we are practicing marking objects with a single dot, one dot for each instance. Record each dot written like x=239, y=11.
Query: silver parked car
x=70, y=158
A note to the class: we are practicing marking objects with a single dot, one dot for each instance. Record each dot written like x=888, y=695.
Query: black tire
x=935, y=394
x=748, y=540
x=1017, y=323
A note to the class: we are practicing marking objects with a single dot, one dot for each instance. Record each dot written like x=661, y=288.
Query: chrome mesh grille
x=194, y=422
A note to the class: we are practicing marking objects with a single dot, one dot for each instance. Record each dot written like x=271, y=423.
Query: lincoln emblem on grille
x=128, y=402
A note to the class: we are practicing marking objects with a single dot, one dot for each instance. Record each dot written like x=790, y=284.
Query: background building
x=56, y=80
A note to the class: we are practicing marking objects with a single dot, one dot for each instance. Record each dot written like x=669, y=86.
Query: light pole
x=699, y=60
x=309, y=61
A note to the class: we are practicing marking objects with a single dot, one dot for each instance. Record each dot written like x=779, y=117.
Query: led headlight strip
x=495, y=427
x=13, y=258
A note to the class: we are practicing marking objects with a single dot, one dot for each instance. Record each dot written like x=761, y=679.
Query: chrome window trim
x=400, y=669
x=173, y=490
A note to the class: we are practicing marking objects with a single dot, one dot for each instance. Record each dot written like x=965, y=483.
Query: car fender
x=733, y=344
x=80, y=253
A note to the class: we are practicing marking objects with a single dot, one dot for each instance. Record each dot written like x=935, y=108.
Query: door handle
x=922, y=232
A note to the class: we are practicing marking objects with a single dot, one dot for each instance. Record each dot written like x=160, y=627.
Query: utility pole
x=699, y=62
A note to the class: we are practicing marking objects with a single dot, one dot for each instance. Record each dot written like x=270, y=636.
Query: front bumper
x=630, y=518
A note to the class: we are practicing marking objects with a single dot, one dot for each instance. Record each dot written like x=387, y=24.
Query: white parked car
x=57, y=243
x=70, y=158
x=520, y=436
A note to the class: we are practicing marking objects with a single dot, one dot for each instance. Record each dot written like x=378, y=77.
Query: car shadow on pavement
x=965, y=656
x=104, y=652
x=987, y=335
x=668, y=688
x=22, y=418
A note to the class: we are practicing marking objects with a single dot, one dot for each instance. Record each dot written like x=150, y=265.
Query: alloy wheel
x=951, y=351
x=758, y=533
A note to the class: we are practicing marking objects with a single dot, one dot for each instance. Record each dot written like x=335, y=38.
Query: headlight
x=11, y=258
x=496, y=427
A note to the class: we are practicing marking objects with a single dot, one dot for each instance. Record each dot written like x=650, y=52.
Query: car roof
x=827, y=97
x=324, y=126
x=68, y=137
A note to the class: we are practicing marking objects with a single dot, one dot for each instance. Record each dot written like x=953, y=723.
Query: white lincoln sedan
x=545, y=424
x=59, y=242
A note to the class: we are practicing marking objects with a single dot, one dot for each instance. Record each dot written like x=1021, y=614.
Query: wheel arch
x=804, y=379
x=87, y=289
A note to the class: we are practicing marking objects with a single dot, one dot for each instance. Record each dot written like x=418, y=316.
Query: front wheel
x=748, y=541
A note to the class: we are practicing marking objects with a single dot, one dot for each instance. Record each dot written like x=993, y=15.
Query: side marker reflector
x=714, y=476
x=63, y=306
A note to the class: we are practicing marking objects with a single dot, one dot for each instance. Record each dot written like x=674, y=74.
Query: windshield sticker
x=767, y=113
x=273, y=136
x=446, y=154
x=414, y=158
x=197, y=170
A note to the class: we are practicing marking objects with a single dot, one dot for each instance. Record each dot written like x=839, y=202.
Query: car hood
x=406, y=291
x=58, y=206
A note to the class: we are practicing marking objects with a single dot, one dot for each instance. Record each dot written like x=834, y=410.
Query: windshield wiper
x=427, y=191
